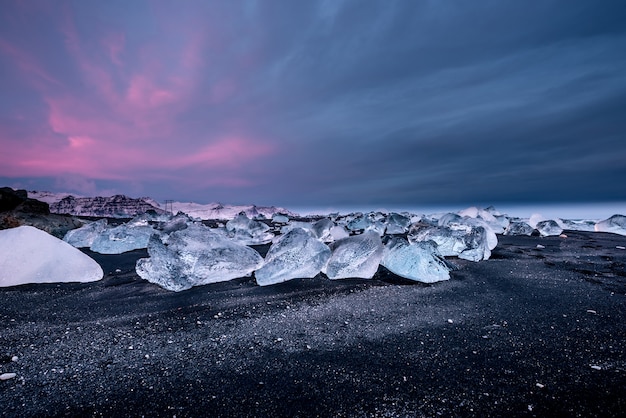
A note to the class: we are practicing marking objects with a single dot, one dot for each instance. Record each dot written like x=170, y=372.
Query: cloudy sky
x=316, y=103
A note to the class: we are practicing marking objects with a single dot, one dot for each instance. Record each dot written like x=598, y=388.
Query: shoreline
x=529, y=332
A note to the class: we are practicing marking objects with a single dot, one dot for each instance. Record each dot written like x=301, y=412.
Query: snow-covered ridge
x=121, y=206
x=220, y=211
x=48, y=197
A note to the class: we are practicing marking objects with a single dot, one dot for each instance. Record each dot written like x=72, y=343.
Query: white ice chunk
x=495, y=223
x=549, y=228
x=449, y=218
x=29, y=255
x=85, y=235
x=322, y=228
x=397, y=224
x=503, y=221
x=534, y=219
x=176, y=223
x=279, y=218
x=615, y=224
x=577, y=224
x=355, y=257
x=519, y=228
x=461, y=240
x=122, y=238
x=247, y=231
x=358, y=223
x=420, y=261
x=338, y=232
x=492, y=238
x=297, y=254
x=307, y=226
x=373, y=221
x=147, y=217
x=378, y=227
x=196, y=256
x=471, y=212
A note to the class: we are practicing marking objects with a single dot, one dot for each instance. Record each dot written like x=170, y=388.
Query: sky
x=366, y=103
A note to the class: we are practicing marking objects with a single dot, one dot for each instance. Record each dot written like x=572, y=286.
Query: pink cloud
x=229, y=152
x=26, y=63
x=222, y=90
x=115, y=43
x=143, y=93
x=126, y=122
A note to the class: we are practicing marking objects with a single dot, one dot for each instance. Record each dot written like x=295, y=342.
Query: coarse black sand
x=530, y=332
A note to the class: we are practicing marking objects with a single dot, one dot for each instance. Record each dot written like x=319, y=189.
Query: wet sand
x=530, y=332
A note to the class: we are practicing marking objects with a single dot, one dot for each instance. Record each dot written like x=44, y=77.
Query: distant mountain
x=118, y=206
x=121, y=206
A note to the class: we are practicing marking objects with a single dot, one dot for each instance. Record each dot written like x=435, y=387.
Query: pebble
x=7, y=376
x=562, y=236
x=450, y=321
x=14, y=358
x=596, y=367
x=540, y=386
x=541, y=247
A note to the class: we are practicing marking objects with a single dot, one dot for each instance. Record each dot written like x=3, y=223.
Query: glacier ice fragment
x=357, y=256
x=86, y=234
x=419, y=261
x=248, y=231
x=615, y=224
x=577, y=224
x=519, y=228
x=279, y=218
x=177, y=222
x=29, y=255
x=338, y=232
x=470, y=242
x=322, y=229
x=196, y=256
x=122, y=238
x=397, y=224
x=549, y=228
x=297, y=254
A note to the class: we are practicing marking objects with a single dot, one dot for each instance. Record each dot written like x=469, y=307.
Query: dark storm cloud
x=497, y=103
x=321, y=103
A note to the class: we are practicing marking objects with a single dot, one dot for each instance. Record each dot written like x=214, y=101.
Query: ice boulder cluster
x=470, y=242
x=184, y=252
x=340, y=247
x=102, y=238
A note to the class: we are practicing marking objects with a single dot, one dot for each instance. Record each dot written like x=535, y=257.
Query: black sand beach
x=530, y=332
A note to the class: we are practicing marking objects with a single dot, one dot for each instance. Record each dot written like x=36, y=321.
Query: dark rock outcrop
x=18, y=200
x=16, y=209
